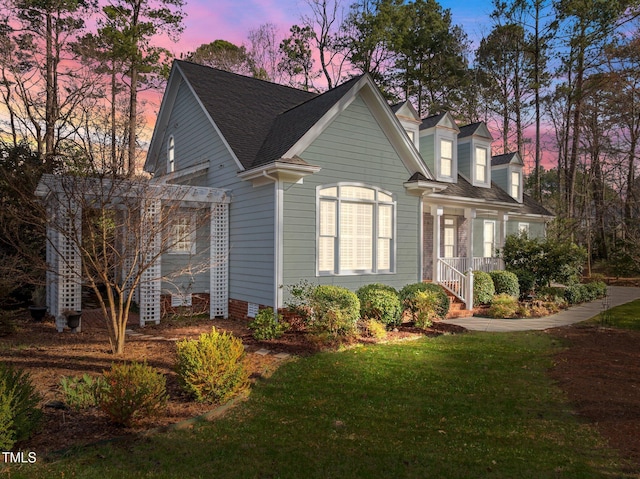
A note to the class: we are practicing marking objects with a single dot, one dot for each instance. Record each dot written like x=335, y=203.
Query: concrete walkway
x=617, y=295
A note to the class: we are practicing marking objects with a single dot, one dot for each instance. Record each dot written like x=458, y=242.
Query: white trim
x=278, y=244
x=277, y=170
x=171, y=154
x=181, y=174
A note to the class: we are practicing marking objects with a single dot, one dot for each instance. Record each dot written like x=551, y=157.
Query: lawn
x=626, y=316
x=461, y=406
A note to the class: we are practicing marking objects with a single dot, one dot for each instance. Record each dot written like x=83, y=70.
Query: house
x=335, y=188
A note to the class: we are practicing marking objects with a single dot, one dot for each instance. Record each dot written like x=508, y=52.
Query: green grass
x=626, y=316
x=465, y=406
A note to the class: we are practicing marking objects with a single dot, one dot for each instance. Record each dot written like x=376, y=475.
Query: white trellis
x=64, y=274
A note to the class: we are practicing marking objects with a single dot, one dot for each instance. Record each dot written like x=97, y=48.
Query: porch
x=457, y=241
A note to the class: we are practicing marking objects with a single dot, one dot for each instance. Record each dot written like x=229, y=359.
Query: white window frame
x=183, y=243
x=441, y=158
x=333, y=235
x=449, y=224
x=513, y=185
x=523, y=228
x=478, y=167
x=486, y=242
x=171, y=155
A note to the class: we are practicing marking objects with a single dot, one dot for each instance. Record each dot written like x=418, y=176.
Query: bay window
x=356, y=230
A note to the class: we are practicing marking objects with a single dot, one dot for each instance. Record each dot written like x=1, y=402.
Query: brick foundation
x=238, y=309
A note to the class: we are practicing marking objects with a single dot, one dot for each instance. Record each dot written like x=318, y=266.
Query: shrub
x=334, y=310
x=380, y=302
x=505, y=282
x=81, y=392
x=503, y=306
x=551, y=293
x=408, y=296
x=526, y=281
x=373, y=328
x=131, y=392
x=483, y=289
x=212, y=368
x=19, y=414
x=427, y=304
x=580, y=293
x=265, y=326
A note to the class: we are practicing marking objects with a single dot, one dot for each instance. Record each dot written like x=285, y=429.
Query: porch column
x=150, y=281
x=219, y=261
x=436, y=212
x=501, y=234
x=470, y=216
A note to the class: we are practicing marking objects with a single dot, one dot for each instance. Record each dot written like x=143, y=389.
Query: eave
x=279, y=170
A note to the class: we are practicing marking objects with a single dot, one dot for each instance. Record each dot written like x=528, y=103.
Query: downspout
x=277, y=240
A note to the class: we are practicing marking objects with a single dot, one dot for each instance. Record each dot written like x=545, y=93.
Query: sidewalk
x=617, y=295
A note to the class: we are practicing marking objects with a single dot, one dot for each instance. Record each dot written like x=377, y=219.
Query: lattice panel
x=219, y=272
x=129, y=250
x=151, y=277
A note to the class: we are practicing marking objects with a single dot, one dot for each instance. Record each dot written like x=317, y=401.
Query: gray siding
x=500, y=178
x=428, y=151
x=353, y=149
x=464, y=159
x=536, y=228
x=251, y=212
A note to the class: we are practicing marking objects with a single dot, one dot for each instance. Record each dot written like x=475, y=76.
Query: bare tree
x=264, y=50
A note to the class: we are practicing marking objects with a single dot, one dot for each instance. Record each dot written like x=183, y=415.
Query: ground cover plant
x=472, y=405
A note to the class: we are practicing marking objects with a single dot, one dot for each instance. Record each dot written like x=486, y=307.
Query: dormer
x=439, y=146
x=507, y=174
x=409, y=119
x=474, y=154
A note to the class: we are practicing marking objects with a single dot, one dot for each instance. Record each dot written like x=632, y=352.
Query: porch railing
x=460, y=284
x=477, y=264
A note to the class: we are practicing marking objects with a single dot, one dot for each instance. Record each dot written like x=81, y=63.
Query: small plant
x=334, y=310
x=426, y=304
x=380, y=302
x=265, y=326
x=131, y=392
x=373, y=329
x=19, y=414
x=81, y=392
x=38, y=296
x=299, y=297
x=212, y=368
x=505, y=282
x=503, y=306
x=408, y=296
x=483, y=289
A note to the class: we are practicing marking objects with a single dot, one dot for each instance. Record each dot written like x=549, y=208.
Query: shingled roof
x=277, y=116
x=530, y=206
x=465, y=189
x=506, y=159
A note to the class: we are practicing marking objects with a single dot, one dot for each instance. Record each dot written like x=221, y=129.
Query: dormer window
x=481, y=165
x=446, y=158
x=515, y=185
x=171, y=150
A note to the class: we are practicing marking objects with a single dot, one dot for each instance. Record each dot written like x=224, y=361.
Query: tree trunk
x=133, y=118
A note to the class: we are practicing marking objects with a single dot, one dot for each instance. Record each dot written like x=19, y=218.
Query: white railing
x=477, y=264
x=460, y=284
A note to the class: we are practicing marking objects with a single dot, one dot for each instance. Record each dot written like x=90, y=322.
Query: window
x=183, y=235
x=171, y=150
x=515, y=184
x=449, y=237
x=446, y=158
x=489, y=239
x=356, y=230
x=523, y=228
x=481, y=165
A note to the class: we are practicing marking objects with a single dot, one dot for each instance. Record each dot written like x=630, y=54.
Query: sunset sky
x=231, y=20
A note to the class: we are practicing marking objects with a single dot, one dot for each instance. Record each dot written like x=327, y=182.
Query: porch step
x=457, y=308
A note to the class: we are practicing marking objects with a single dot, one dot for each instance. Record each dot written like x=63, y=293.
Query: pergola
x=64, y=198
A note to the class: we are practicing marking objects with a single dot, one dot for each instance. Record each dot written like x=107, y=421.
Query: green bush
x=580, y=293
x=427, y=305
x=373, y=329
x=265, y=326
x=483, y=289
x=503, y=306
x=334, y=310
x=19, y=412
x=408, y=296
x=505, y=282
x=212, y=368
x=526, y=281
x=380, y=302
x=131, y=392
x=81, y=392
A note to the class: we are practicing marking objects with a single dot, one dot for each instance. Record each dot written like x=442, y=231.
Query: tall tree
x=138, y=22
x=297, y=58
x=224, y=55
x=264, y=50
